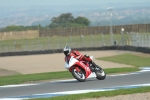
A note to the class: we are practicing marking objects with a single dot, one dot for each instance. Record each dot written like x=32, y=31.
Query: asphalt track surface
x=27, y=90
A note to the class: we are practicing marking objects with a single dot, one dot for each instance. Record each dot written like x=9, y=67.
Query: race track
x=49, y=89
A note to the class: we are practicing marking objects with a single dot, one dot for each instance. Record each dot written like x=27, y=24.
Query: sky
x=10, y=3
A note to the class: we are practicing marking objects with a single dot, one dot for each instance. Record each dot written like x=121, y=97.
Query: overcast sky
x=59, y=2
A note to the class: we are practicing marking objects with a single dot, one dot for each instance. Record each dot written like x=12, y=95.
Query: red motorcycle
x=81, y=70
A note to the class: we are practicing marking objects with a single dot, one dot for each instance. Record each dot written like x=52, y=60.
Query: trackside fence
x=79, y=41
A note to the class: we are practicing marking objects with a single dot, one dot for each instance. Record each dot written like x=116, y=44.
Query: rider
x=76, y=54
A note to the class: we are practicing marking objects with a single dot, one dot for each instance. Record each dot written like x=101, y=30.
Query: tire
x=100, y=73
x=80, y=76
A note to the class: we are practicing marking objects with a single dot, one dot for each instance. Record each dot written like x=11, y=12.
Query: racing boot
x=94, y=66
x=91, y=67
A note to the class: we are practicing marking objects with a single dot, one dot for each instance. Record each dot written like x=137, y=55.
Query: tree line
x=65, y=20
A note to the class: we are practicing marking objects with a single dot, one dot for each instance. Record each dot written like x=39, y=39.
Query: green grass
x=121, y=70
x=124, y=58
x=129, y=59
x=99, y=94
x=56, y=42
x=18, y=79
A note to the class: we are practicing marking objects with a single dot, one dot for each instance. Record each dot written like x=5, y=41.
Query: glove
x=87, y=56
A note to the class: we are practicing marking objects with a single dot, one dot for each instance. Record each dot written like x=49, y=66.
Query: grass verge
x=124, y=58
x=129, y=59
x=17, y=79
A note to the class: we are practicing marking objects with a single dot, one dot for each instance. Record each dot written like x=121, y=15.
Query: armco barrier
x=128, y=48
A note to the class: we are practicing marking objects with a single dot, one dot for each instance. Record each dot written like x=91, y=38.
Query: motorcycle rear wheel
x=80, y=76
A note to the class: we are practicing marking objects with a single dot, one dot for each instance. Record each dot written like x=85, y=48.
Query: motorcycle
x=81, y=70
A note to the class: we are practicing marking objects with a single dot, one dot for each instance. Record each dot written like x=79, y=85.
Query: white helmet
x=67, y=50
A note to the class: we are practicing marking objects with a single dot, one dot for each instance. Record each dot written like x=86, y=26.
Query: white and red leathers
x=76, y=54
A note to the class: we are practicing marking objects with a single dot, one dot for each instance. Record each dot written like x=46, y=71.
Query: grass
x=18, y=79
x=129, y=59
x=56, y=42
x=125, y=58
x=134, y=60
x=99, y=94
x=120, y=70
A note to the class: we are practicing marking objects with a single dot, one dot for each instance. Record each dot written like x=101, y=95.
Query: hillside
x=124, y=12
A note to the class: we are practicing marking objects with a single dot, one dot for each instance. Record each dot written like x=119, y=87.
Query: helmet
x=67, y=50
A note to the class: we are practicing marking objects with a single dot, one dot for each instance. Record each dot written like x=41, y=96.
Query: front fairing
x=72, y=62
x=75, y=62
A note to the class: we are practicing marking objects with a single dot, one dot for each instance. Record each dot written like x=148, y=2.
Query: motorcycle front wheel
x=79, y=75
x=100, y=73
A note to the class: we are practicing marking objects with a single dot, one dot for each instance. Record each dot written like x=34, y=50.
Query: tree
x=67, y=20
x=82, y=20
x=19, y=28
x=62, y=21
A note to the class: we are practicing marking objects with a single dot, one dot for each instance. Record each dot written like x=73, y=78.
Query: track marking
x=8, y=86
x=48, y=95
x=143, y=69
